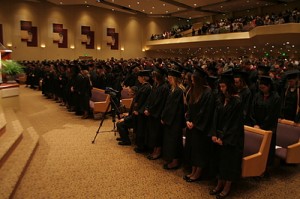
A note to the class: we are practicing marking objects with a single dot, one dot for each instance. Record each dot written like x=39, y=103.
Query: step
x=10, y=140
x=15, y=166
x=2, y=121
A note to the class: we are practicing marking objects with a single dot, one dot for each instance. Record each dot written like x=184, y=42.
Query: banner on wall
x=29, y=33
x=87, y=37
x=60, y=35
x=112, y=39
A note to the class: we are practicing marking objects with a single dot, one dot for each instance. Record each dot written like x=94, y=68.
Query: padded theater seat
x=256, y=149
x=288, y=141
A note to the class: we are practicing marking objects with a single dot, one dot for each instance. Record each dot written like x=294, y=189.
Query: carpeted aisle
x=67, y=165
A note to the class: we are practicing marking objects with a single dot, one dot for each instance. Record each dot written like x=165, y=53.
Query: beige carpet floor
x=67, y=165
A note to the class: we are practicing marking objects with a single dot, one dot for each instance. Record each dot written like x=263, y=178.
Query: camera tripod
x=114, y=111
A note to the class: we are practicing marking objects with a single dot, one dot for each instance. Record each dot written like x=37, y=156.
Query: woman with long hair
x=228, y=137
x=173, y=120
x=199, y=119
x=153, y=110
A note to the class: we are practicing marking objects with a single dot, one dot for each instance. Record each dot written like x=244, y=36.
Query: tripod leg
x=101, y=123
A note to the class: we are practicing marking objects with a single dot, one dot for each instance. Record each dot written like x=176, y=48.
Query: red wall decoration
x=114, y=39
x=60, y=35
x=88, y=37
x=29, y=33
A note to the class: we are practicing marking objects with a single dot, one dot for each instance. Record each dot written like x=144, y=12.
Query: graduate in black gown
x=228, y=137
x=173, y=120
x=127, y=121
x=240, y=81
x=290, y=107
x=139, y=108
x=265, y=111
x=154, y=106
x=199, y=119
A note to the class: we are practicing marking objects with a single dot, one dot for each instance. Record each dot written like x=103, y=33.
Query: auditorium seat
x=126, y=98
x=99, y=101
x=288, y=141
x=256, y=149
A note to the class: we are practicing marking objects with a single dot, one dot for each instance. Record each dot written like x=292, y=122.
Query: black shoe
x=186, y=177
x=192, y=180
x=222, y=195
x=119, y=139
x=214, y=192
x=166, y=166
x=124, y=143
x=150, y=157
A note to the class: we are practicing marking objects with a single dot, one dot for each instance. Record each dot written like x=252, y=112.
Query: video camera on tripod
x=114, y=106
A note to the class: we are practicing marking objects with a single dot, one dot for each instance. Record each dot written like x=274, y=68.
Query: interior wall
x=134, y=30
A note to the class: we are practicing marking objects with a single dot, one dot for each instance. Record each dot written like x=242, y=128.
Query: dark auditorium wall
x=133, y=30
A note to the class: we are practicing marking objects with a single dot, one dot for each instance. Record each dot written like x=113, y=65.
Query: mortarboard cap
x=174, y=73
x=226, y=78
x=199, y=71
x=265, y=80
x=144, y=73
x=264, y=69
x=160, y=69
x=292, y=74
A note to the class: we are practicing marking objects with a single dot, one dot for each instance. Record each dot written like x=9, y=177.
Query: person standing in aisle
x=139, y=108
x=228, y=137
x=173, y=120
x=199, y=118
x=154, y=106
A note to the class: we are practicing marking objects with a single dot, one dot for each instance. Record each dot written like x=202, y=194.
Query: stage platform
x=9, y=90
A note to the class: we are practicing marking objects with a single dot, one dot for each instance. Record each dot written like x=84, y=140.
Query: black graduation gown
x=198, y=143
x=174, y=122
x=246, y=98
x=229, y=127
x=155, y=104
x=265, y=113
x=139, y=106
x=289, y=105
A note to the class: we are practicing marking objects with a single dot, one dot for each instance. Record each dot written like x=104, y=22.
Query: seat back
x=125, y=93
x=252, y=143
x=287, y=134
x=256, y=149
x=98, y=95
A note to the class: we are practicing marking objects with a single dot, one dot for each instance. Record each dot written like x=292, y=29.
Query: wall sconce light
x=72, y=47
x=43, y=46
x=122, y=48
x=98, y=48
x=9, y=44
x=143, y=50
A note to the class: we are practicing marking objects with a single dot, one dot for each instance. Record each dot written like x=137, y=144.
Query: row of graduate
x=214, y=122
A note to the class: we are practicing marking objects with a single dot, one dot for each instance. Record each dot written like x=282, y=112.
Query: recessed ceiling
x=187, y=9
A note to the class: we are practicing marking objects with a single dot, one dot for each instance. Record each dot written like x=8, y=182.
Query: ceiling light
x=138, y=2
x=150, y=12
x=195, y=4
x=129, y=6
x=164, y=4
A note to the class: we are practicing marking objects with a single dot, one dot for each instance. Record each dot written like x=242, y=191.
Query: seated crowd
x=241, y=24
x=208, y=101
